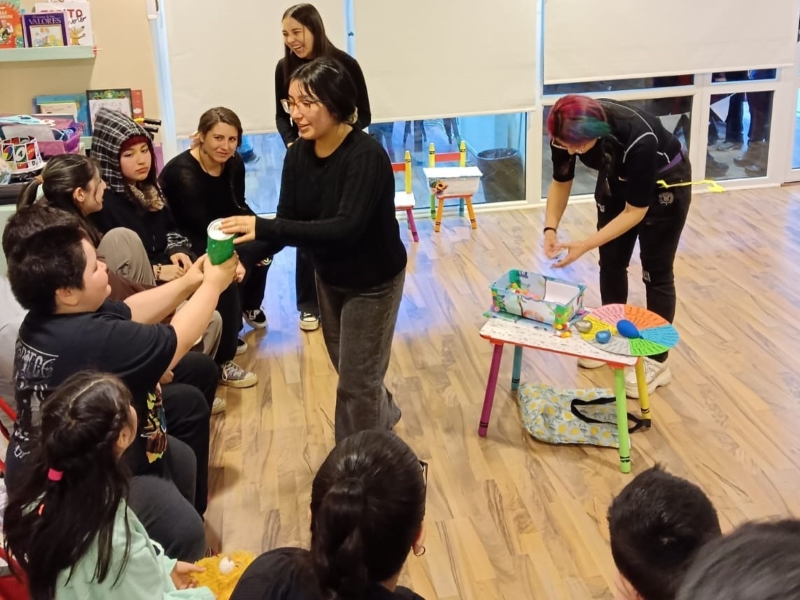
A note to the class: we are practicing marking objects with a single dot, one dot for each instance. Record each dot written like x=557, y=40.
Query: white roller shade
x=594, y=40
x=434, y=58
x=224, y=54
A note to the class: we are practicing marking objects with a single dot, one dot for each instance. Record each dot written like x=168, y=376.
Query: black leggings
x=247, y=295
x=659, y=234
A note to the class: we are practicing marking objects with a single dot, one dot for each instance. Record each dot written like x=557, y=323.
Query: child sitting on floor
x=69, y=527
x=657, y=524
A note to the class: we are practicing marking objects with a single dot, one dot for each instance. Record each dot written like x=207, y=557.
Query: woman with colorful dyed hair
x=633, y=154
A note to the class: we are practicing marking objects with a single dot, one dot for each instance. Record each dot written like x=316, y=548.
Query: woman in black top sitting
x=337, y=199
x=305, y=39
x=632, y=151
x=367, y=508
x=205, y=183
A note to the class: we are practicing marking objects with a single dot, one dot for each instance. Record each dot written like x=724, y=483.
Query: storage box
x=537, y=297
x=453, y=182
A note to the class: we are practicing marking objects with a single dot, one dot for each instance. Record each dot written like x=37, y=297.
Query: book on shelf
x=11, y=35
x=44, y=30
x=79, y=20
x=71, y=104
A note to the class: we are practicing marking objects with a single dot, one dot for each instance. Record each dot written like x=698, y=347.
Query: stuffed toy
x=222, y=572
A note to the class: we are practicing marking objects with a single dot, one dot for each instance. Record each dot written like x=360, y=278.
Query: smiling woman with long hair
x=305, y=39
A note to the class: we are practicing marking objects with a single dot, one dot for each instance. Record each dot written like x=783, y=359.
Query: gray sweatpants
x=358, y=327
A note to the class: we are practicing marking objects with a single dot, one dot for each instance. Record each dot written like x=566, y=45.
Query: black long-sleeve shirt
x=340, y=207
x=288, y=129
x=197, y=198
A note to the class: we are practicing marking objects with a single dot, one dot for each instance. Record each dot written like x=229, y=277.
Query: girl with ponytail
x=643, y=192
x=69, y=527
x=367, y=508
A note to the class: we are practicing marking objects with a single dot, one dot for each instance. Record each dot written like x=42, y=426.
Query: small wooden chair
x=405, y=200
x=461, y=158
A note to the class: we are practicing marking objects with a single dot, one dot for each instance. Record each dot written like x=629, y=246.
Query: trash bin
x=503, y=174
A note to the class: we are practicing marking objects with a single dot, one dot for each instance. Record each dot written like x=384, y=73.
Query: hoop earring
x=421, y=552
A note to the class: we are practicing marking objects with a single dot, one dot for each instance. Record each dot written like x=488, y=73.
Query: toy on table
x=222, y=572
x=629, y=330
x=540, y=298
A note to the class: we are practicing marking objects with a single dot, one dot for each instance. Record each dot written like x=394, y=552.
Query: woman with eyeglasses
x=367, y=511
x=639, y=195
x=337, y=199
x=305, y=39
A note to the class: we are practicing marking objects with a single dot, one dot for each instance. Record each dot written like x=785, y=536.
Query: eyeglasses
x=424, y=466
x=303, y=105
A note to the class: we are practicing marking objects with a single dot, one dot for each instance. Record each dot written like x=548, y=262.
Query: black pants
x=247, y=295
x=659, y=234
x=187, y=405
x=306, y=283
x=163, y=503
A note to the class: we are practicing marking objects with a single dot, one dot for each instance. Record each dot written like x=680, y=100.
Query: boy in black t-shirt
x=71, y=326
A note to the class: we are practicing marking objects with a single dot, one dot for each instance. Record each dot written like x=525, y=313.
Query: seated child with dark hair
x=657, y=524
x=71, y=326
x=758, y=561
x=69, y=527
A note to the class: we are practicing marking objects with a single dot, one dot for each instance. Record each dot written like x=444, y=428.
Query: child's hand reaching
x=181, y=575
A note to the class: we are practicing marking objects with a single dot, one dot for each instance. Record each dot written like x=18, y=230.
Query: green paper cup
x=220, y=245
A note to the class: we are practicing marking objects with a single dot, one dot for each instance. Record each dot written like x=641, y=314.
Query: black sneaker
x=255, y=318
x=241, y=347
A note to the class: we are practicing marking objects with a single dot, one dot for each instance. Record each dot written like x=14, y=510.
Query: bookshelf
x=49, y=53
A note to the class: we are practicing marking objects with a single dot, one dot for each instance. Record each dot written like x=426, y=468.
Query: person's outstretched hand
x=181, y=575
x=221, y=275
x=574, y=251
x=243, y=227
x=551, y=244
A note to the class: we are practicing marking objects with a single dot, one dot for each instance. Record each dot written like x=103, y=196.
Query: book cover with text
x=45, y=29
x=79, y=20
x=11, y=25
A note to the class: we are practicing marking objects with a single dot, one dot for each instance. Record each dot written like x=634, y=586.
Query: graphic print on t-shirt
x=33, y=370
x=155, y=430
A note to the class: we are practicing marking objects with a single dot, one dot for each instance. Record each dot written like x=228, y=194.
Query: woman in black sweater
x=305, y=39
x=337, y=199
x=205, y=183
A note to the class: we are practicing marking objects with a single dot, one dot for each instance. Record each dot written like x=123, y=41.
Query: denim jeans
x=358, y=328
x=659, y=234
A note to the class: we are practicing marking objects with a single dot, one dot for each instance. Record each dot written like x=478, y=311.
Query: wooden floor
x=509, y=517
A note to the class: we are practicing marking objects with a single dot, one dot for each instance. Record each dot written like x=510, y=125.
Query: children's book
x=11, y=25
x=119, y=100
x=79, y=20
x=65, y=104
x=45, y=29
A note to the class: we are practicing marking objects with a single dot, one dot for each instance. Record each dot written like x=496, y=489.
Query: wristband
x=546, y=229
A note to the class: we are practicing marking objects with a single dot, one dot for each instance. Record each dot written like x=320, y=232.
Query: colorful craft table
x=524, y=334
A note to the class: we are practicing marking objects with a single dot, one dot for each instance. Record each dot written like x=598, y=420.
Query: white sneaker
x=235, y=376
x=588, y=363
x=219, y=406
x=656, y=375
x=308, y=322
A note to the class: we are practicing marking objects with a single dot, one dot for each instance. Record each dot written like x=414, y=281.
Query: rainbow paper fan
x=634, y=331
